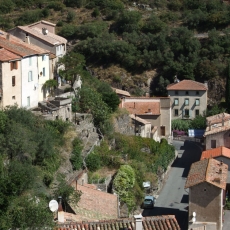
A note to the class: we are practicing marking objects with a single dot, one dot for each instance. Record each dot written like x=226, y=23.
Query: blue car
x=149, y=202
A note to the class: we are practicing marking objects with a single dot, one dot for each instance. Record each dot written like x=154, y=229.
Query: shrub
x=96, y=13
x=71, y=15
x=76, y=158
x=93, y=162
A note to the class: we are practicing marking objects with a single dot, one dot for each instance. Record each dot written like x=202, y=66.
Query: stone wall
x=124, y=125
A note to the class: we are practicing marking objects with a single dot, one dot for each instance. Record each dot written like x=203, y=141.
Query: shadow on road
x=181, y=216
x=192, y=153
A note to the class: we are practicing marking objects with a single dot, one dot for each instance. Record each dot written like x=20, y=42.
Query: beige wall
x=41, y=25
x=192, y=96
x=222, y=139
x=11, y=94
x=206, y=200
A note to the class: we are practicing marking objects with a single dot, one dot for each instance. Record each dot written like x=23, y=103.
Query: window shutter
x=190, y=113
x=183, y=112
x=16, y=64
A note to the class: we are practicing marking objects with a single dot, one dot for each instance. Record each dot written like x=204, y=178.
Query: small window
x=186, y=92
x=43, y=57
x=197, y=92
x=186, y=101
x=44, y=72
x=14, y=65
x=176, y=92
x=13, y=97
x=197, y=102
x=30, y=61
x=13, y=80
x=30, y=76
x=213, y=144
x=197, y=112
x=176, y=101
x=176, y=112
x=28, y=101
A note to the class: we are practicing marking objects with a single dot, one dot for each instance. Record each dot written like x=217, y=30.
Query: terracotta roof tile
x=213, y=153
x=148, y=223
x=218, y=118
x=207, y=170
x=6, y=55
x=187, y=85
x=96, y=202
x=138, y=107
x=22, y=49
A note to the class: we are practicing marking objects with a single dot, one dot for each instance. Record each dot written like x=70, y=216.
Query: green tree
x=50, y=85
x=93, y=161
x=227, y=92
x=71, y=15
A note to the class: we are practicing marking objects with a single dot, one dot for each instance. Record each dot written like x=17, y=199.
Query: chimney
x=27, y=39
x=149, y=110
x=209, y=125
x=138, y=222
x=61, y=217
x=8, y=37
x=44, y=31
x=223, y=119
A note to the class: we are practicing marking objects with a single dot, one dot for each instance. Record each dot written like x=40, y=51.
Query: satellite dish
x=53, y=205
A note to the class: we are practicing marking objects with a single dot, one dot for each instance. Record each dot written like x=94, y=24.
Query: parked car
x=149, y=202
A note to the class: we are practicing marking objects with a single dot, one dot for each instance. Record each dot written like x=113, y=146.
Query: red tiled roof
x=50, y=38
x=148, y=223
x=150, y=108
x=187, y=85
x=207, y=170
x=218, y=118
x=43, y=22
x=6, y=55
x=96, y=201
x=212, y=153
x=20, y=48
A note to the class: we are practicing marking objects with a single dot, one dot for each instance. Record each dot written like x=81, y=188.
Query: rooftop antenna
x=53, y=205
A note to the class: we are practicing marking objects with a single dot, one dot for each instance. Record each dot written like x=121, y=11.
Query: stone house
x=217, y=131
x=42, y=34
x=153, y=110
x=188, y=98
x=22, y=78
x=167, y=222
x=221, y=154
x=206, y=182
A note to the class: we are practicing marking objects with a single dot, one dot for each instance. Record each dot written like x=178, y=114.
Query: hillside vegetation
x=138, y=39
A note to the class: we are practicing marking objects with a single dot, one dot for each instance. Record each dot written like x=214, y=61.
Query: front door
x=162, y=130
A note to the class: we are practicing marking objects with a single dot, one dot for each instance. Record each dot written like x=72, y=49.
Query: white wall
x=30, y=88
x=43, y=63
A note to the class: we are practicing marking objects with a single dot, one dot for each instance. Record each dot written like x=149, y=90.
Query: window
x=186, y=101
x=30, y=76
x=176, y=112
x=197, y=112
x=176, y=101
x=176, y=92
x=213, y=144
x=197, y=102
x=28, y=101
x=197, y=92
x=44, y=72
x=13, y=97
x=186, y=92
x=13, y=80
x=13, y=65
x=30, y=61
x=186, y=112
x=43, y=57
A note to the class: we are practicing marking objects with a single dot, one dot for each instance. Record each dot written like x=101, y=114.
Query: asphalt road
x=173, y=199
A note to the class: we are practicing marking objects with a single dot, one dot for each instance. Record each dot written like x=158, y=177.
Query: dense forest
x=138, y=37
